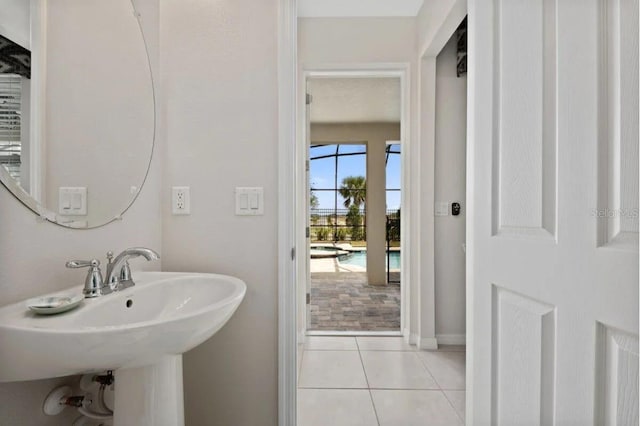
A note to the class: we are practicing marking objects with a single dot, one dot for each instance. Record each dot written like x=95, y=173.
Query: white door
x=553, y=203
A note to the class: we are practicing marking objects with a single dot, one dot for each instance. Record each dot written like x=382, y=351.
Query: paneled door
x=553, y=212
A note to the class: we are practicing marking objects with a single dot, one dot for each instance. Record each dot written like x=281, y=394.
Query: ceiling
x=355, y=100
x=357, y=8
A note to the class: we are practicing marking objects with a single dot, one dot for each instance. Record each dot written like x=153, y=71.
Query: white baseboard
x=411, y=338
x=407, y=335
x=452, y=339
x=429, y=343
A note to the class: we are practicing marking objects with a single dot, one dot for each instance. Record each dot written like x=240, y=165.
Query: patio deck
x=342, y=301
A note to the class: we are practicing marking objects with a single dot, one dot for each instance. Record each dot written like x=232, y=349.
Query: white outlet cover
x=180, y=200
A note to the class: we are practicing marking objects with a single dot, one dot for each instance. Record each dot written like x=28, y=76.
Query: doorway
x=354, y=174
x=351, y=378
x=418, y=312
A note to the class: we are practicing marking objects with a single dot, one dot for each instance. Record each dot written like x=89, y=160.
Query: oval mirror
x=77, y=109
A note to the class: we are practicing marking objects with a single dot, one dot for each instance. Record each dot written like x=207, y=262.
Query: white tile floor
x=369, y=381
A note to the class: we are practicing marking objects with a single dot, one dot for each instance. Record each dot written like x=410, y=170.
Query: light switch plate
x=72, y=200
x=249, y=201
x=442, y=208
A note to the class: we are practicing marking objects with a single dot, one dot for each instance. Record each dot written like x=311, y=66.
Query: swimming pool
x=323, y=252
x=359, y=258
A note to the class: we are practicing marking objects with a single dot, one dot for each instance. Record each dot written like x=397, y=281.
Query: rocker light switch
x=249, y=201
x=76, y=201
x=442, y=208
x=72, y=201
x=244, y=201
x=254, y=201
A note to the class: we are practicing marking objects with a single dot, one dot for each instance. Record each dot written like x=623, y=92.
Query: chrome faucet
x=118, y=271
x=94, y=285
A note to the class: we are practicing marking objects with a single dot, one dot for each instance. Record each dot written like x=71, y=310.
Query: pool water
x=359, y=258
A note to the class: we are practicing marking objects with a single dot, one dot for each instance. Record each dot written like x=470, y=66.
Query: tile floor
x=383, y=381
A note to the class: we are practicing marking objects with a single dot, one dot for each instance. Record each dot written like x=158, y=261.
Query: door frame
x=365, y=70
x=287, y=306
x=428, y=53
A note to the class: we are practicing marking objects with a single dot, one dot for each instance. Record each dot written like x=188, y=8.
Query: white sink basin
x=165, y=313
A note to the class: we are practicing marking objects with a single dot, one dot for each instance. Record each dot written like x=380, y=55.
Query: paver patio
x=342, y=301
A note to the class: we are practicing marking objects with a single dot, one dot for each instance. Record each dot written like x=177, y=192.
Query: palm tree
x=314, y=203
x=354, y=191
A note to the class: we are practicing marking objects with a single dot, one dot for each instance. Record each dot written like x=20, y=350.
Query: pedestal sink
x=140, y=333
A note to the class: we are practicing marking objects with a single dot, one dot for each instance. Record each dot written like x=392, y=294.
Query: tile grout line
x=424, y=365
x=373, y=404
x=455, y=410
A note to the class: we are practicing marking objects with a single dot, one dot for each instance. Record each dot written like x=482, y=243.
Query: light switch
x=76, y=201
x=253, y=201
x=249, y=201
x=72, y=201
x=244, y=201
x=442, y=208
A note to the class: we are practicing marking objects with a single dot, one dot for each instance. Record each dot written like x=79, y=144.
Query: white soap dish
x=49, y=305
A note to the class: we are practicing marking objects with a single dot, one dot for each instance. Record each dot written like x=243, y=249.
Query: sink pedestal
x=151, y=395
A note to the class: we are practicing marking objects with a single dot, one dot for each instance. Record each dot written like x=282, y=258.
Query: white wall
x=356, y=40
x=219, y=118
x=432, y=18
x=450, y=160
x=32, y=257
x=93, y=129
x=436, y=22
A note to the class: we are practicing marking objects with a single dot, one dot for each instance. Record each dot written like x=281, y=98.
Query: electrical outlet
x=180, y=200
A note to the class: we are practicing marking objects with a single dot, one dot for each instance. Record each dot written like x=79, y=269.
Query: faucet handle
x=74, y=264
x=109, y=257
x=93, y=283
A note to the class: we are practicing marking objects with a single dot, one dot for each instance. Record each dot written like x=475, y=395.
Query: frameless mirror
x=77, y=109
